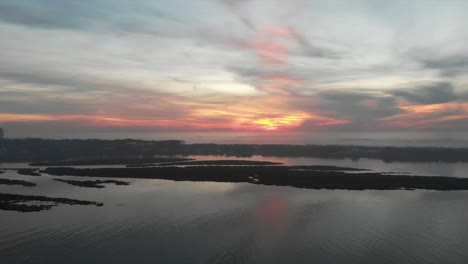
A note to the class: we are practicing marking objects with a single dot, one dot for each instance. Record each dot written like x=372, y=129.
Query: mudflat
x=313, y=177
x=33, y=203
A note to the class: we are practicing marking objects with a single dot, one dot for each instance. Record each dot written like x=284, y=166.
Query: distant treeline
x=33, y=150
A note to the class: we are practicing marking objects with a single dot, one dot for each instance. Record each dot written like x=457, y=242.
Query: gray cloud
x=83, y=14
x=311, y=50
x=78, y=129
x=234, y=6
x=43, y=106
x=436, y=93
x=360, y=105
x=49, y=13
x=448, y=66
x=65, y=93
x=48, y=78
x=364, y=109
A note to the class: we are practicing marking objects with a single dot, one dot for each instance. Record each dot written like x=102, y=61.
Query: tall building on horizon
x=1, y=133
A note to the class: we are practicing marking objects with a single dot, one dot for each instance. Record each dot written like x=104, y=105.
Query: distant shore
x=47, y=150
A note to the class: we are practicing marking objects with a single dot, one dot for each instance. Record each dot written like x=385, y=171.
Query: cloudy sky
x=233, y=65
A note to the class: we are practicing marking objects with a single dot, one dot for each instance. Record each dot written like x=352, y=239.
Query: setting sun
x=280, y=122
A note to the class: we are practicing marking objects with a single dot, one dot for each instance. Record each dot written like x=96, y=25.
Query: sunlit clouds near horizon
x=233, y=65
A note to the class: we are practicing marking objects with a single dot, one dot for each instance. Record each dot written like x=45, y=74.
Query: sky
x=233, y=65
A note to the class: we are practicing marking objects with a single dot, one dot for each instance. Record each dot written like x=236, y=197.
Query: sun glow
x=279, y=122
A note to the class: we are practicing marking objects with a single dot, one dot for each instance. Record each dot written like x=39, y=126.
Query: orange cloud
x=281, y=78
x=268, y=51
x=266, y=46
x=279, y=31
x=235, y=117
x=6, y=118
x=433, y=108
x=271, y=43
x=422, y=116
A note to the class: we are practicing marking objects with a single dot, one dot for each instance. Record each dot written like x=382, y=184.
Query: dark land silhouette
x=33, y=203
x=29, y=172
x=213, y=162
x=312, y=177
x=108, y=152
x=16, y=182
x=92, y=184
x=110, y=161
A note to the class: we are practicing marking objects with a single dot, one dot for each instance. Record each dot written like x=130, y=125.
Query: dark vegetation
x=40, y=150
x=29, y=172
x=142, y=165
x=92, y=184
x=31, y=203
x=212, y=162
x=326, y=168
x=301, y=177
x=16, y=182
x=1, y=172
x=108, y=161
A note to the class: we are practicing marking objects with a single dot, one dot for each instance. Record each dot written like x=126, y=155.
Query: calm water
x=421, y=138
x=457, y=169
x=157, y=221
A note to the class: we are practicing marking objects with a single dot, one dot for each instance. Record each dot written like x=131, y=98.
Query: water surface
x=158, y=221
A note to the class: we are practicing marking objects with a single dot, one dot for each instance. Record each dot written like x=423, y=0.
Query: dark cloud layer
x=82, y=14
x=448, y=66
x=436, y=93
x=50, y=13
x=363, y=108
